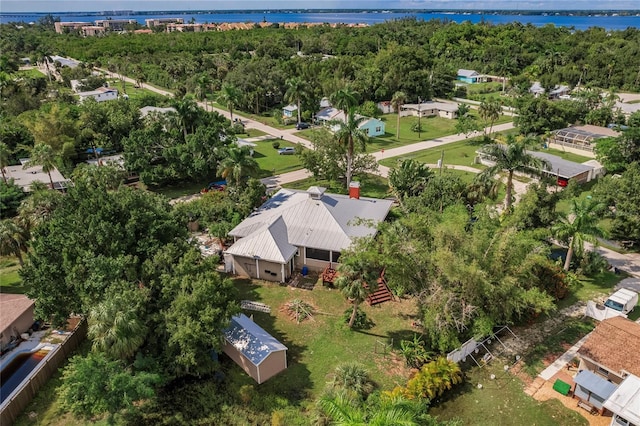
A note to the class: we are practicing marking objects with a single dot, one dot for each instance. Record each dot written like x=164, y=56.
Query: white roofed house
x=101, y=94
x=296, y=228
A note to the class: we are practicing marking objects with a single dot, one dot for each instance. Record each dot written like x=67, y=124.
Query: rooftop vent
x=316, y=192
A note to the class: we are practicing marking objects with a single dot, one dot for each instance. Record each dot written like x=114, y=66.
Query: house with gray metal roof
x=564, y=170
x=294, y=229
x=257, y=352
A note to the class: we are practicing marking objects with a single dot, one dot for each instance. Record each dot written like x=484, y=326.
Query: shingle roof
x=269, y=243
x=251, y=339
x=12, y=306
x=615, y=344
x=326, y=222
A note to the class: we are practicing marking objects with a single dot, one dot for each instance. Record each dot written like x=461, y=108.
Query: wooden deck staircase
x=382, y=293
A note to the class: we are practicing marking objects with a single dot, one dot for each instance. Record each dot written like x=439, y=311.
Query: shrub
x=352, y=377
x=592, y=263
x=414, y=352
x=432, y=381
x=417, y=126
x=275, y=144
x=362, y=322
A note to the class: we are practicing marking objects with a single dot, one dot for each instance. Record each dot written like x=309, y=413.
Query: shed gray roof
x=467, y=73
x=595, y=384
x=440, y=106
x=251, y=339
x=144, y=111
x=325, y=222
x=564, y=168
x=268, y=243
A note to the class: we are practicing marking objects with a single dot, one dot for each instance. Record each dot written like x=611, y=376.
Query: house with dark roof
x=296, y=229
x=257, y=352
x=16, y=317
x=612, y=350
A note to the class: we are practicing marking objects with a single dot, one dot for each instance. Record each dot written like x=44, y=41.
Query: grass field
x=270, y=162
x=500, y=402
x=132, y=91
x=458, y=153
x=370, y=185
x=10, y=281
x=33, y=73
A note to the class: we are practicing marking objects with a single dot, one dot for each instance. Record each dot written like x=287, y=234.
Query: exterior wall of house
x=275, y=363
x=241, y=360
x=587, y=364
x=268, y=271
x=373, y=128
x=447, y=114
x=101, y=97
x=469, y=80
x=20, y=325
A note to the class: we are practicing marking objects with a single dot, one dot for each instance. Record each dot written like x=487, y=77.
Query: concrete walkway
x=562, y=361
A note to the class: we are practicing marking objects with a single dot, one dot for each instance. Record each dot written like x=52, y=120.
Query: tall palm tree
x=398, y=99
x=187, y=109
x=512, y=157
x=580, y=225
x=230, y=95
x=345, y=411
x=203, y=83
x=238, y=164
x=42, y=154
x=116, y=328
x=490, y=111
x=5, y=152
x=344, y=99
x=349, y=133
x=297, y=88
x=13, y=240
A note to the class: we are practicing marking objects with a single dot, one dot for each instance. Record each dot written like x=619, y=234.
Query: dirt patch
x=392, y=364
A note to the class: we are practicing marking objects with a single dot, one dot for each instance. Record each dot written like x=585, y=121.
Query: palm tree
x=345, y=411
x=187, y=109
x=344, y=99
x=512, y=157
x=579, y=226
x=42, y=154
x=490, y=111
x=399, y=98
x=116, y=328
x=238, y=164
x=13, y=240
x=229, y=95
x=349, y=133
x=203, y=84
x=5, y=152
x=297, y=88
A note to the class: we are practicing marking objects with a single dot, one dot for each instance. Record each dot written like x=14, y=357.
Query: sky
x=10, y=6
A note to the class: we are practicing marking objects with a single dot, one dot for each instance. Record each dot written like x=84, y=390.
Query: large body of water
x=608, y=21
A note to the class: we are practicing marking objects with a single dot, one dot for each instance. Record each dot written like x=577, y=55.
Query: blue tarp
x=93, y=151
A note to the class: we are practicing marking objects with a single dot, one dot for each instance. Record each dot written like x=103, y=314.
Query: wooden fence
x=14, y=406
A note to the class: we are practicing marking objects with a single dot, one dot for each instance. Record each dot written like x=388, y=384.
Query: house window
x=366, y=131
x=318, y=254
x=378, y=129
x=298, y=253
x=335, y=256
x=622, y=421
x=602, y=371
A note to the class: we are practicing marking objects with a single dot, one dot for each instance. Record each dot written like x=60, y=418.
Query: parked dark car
x=302, y=126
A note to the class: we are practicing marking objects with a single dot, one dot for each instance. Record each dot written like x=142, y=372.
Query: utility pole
x=419, y=117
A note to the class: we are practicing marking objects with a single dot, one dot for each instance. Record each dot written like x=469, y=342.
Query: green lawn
x=589, y=288
x=565, y=335
x=500, y=401
x=458, y=153
x=132, y=92
x=33, y=73
x=10, y=281
x=370, y=185
x=270, y=162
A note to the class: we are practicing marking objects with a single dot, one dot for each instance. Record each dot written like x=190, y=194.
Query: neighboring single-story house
x=592, y=390
x=101, y=94
x=65, y=62
x=24, y=177
x=564, y=170
x=257, y=352
x=430, y=109
x=296, y=228
x=242, y=142
x=372, y=126
x=561, y=169
x=469, y=76
x=16, y=317
x=559, y=90
x=290, y=111
x=612, y=350
x=626, y=108
x=144, y=111
x=581, y=137
x=624, y=403
x=385, y=107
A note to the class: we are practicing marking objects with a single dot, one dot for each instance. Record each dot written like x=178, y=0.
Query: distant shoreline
x=563, y=12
